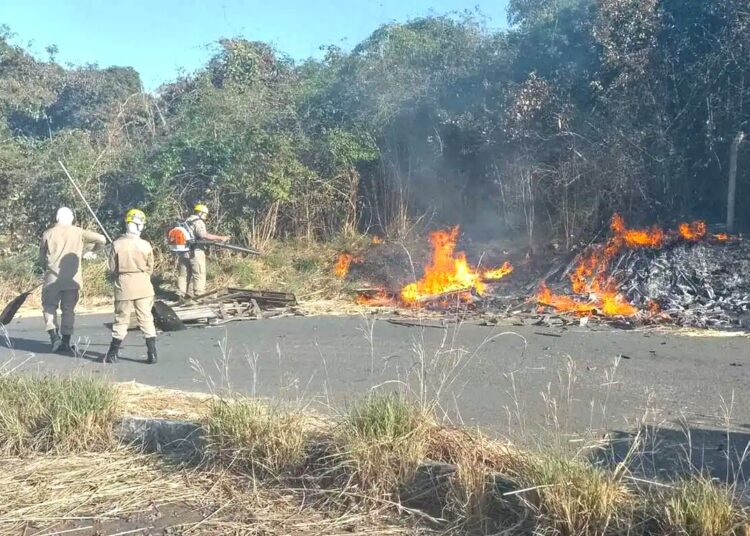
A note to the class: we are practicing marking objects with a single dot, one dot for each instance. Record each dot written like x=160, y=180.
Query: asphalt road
x=518, y=381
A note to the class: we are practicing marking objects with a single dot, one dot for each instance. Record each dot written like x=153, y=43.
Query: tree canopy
x=581, y=108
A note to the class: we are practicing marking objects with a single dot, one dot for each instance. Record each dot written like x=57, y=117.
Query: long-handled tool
x=230, y=247
x=80, y=193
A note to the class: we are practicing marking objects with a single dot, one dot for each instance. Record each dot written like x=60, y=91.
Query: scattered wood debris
x=232, y=304
x=225, y=305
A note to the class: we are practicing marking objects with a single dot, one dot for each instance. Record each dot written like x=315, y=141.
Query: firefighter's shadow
x=667, y=453
x=81, y=350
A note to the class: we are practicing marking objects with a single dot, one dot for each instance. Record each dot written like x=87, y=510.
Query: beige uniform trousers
x=191, y=279
x=65, y=300
x=142, y=308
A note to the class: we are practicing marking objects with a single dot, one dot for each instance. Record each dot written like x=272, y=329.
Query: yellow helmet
x=200, y=207
x=135, y=216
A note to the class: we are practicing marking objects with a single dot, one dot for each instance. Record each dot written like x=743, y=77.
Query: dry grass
x=16, y=276
x=256, y=438
x=60, y=414
x=474, y=499
x=701, y=507
x=380, y=444
x=49, y=490
x=575, y=498
x=125, y=493
x=373, y=454
x=303, y=267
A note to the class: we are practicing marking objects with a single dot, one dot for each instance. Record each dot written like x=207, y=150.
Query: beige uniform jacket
x=132, y=263
x=198, y=227
x=61, y=251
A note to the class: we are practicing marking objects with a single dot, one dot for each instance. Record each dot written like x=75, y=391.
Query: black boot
x=65, y=344
x=114, y=351
x=151, y=347
x=54, y=340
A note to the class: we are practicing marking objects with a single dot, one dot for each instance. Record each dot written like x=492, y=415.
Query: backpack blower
x=181, y=239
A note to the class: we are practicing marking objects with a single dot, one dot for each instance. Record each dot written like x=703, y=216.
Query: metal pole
x=230, y=247
x=86, y=202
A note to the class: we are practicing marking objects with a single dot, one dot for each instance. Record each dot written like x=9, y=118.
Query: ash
x=704, y=284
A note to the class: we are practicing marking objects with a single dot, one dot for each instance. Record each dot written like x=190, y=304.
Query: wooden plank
x=195, y=313
x=209, y=294
x=266, y=295
x=263, y=297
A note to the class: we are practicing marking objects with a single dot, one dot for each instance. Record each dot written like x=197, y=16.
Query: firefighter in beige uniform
x=191, y=280
x=62, y=248
x=132, y=263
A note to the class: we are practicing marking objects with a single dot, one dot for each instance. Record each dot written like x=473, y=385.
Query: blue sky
x=161, y=37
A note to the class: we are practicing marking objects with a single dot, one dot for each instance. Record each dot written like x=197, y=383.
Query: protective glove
x=90, y=256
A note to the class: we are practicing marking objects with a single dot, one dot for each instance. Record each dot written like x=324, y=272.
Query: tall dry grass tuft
x=380, y=444
x=254, y=438
x=55, y=414
x=263, y=228
x=475, y=497
x=701, y=507
x=574, y=498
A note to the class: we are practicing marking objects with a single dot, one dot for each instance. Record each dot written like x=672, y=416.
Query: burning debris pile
x=448, y=277
x=689, y=277
x=449, y=273
x=686, y=276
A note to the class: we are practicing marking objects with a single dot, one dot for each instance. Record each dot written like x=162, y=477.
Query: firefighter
x=63, y=246
x=131, y=263
x=191, y=280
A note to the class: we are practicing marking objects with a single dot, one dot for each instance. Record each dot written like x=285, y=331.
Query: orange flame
x=341, y=268
x=693, y=231
x=449, y=271
x=591, y=275
x=498, y=273
x=721, y=237
x=632, y=238
x=563, y=303
x=377, y=240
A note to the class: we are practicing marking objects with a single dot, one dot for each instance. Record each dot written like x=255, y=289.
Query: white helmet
x=64, y=216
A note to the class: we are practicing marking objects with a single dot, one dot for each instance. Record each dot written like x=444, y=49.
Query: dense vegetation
x=581, y=108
